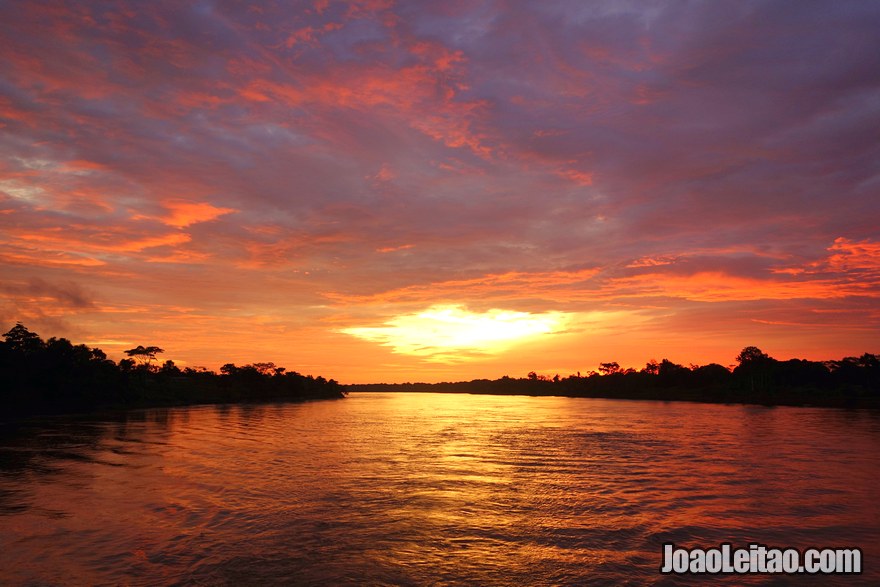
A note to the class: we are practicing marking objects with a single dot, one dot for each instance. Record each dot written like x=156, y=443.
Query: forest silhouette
x=56, y=376
x=756, y=379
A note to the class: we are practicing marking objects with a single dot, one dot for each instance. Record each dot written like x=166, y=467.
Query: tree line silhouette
x=756, y=379
x=55, y=376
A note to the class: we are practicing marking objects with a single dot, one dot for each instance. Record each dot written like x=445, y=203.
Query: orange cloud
x=713, y=286
x=102, y=241
x=850, y=255
x=851, y=270
x=44, y=258
x=149, y=242
x=513, y=284
x=392, y=249
x=578, y=177
x=179, y=256
x=859, y=258
x=183, y=213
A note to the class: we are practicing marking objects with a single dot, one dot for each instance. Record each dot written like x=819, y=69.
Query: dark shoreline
x=145, y=389
x=758, y=379
x=805, y=398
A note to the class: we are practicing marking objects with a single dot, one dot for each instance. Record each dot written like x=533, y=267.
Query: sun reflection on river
x=418, y=489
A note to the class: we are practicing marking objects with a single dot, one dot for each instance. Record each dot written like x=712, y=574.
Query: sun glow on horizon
x=451, y=333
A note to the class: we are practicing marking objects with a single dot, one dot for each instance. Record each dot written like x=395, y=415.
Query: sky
x=442, y=191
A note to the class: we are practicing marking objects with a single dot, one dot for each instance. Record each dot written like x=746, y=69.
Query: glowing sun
x=451, y=333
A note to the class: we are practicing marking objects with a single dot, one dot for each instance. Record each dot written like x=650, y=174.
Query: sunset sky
x=427, y=191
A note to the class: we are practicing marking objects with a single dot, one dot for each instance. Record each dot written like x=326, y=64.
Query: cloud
x=495, y=287
x=690, y=161
x=44, y=304
x=182, y=213
x=37, y=290
x=861, y=256
x=847, y=270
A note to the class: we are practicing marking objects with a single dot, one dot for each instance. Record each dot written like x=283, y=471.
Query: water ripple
x=429, y=489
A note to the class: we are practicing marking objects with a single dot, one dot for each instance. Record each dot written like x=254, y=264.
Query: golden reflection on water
x=428, y=489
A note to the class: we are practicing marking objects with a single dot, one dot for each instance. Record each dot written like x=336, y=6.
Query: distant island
x=55, y=376
x=851, y=382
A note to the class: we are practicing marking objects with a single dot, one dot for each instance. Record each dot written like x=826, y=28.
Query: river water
x=430, y=489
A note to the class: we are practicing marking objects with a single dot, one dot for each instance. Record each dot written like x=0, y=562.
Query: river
x=430, y=489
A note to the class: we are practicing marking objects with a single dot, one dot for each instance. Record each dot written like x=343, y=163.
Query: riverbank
x=597, y=387
x=850, y=382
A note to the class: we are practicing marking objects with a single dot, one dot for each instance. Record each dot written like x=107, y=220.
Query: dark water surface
x=430, y=489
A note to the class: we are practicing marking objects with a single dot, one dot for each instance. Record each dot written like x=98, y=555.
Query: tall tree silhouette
x=609, y=368
x=144, y=355
x=20, y=339
x=755, y=365
x=752, y=355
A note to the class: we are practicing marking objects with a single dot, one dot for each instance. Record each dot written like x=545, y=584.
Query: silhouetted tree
x=609, y=368
x=144, y=355
x=711, y=376
x=861, y=371
x=752, y=355
x=169, y=368
x=20, y=339
x=670, y=374
x=754, y=366
x=798, y=373
x=268, y=368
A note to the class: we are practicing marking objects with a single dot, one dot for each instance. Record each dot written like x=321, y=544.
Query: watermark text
x=758, y=558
